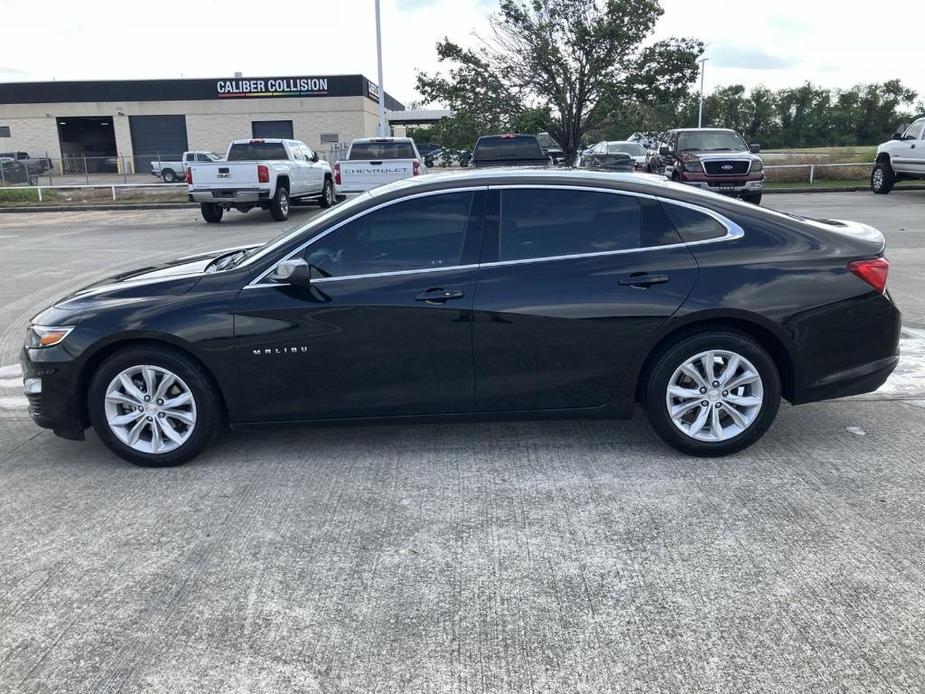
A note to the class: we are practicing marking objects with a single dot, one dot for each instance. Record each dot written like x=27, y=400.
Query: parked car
x=618, y=161
x=715, y=159
x=597, y=155
x=509, y=150
x=16, y=172
x=480, y=293
x=265, y=173
x=446, y=157
x=172, y=171
x=36, y=166
x=552, y=148
x=375, y=161
x=903, y=157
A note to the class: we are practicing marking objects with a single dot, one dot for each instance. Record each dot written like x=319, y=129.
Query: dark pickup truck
x=509, y=150
x=714, y=159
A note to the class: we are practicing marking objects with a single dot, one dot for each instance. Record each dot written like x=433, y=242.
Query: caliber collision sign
x=281, y=86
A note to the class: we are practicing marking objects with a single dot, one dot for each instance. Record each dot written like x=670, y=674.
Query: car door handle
x=643, y=280
x=439, y=295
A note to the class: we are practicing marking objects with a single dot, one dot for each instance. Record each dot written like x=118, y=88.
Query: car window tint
x=255, y=151
x=693, y=225
x=543, y=223
x=426, y=232
x=381, y=150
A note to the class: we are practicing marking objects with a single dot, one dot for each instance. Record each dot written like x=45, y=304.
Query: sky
x=777, y=44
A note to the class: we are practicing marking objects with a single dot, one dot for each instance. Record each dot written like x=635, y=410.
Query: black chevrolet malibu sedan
x=503, y=293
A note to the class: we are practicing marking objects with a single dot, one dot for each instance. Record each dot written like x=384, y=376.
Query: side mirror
x=754, y=149
x=294, y=271
x=314, y=157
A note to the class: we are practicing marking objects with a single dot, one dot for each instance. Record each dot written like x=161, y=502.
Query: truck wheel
x=753, y=198
x=882, y=178
x=211, y=212
x=169, y=175
x=327, y=194
x=33, y=180
x=279, y=205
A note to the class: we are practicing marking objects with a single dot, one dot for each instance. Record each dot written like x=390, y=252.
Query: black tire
x=205, y=395
x=327, y=198
x=753, y=198
x=279, y=205
x=169, y=175
x=211, y=212
x=671, y=358
x=882, y=178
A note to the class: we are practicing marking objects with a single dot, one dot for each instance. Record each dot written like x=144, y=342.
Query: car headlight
x=757, y=165
x=41, y=336
x=693, y=167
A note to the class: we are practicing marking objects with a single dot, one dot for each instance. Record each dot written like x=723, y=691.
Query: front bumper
x=727, y=186
x=51, y=384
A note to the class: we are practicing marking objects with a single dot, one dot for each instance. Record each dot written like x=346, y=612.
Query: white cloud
x=779, y=44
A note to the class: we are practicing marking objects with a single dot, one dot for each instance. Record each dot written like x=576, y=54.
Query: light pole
x=703, y=72
x=382, y=132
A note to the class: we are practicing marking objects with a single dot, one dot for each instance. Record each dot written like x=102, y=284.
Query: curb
x=833, y=189
x=90, y=208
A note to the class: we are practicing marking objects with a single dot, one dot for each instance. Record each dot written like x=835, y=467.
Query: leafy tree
x=561, y=64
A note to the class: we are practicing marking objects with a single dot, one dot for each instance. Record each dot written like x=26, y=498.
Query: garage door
x=272, y=128
x=157, y=136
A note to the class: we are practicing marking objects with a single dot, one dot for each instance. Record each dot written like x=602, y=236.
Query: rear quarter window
x=693, y=225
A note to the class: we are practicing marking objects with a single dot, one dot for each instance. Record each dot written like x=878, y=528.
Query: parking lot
x=538, y=556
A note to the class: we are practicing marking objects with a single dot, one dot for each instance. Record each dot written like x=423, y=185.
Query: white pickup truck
x=171, y=171
x=265, y=173
x=900, y=159
x=375, y=161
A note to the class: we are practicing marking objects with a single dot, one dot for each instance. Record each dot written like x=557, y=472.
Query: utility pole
x=703, y=72
x=382, y=127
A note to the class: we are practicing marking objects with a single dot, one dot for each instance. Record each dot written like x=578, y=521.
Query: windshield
x=381, y=150
x=632, y=148
x=255, y=151
x=546, y=142
x=711, y=141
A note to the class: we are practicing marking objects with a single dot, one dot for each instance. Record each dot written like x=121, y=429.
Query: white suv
x=903, y=157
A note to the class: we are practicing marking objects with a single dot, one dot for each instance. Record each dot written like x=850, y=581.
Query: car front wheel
x=153, y=406
x=882, y=178
x=712, y=393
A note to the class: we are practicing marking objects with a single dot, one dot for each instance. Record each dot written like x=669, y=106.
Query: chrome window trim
x=255, y=283
x=733, y=232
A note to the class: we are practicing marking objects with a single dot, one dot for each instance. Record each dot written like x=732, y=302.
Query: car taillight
x=189, y=176
x=415, y=167
x=337, y=173
x=873, y=271
x=263, y=174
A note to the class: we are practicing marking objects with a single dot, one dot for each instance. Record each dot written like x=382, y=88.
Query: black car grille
x=721, y=168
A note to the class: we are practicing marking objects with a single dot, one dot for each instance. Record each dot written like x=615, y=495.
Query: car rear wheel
x=279, y=205
x=327, y=194
x=712, y=393
x=882, y=178
x=169, y=175
x=153, y=406
x=211, y=212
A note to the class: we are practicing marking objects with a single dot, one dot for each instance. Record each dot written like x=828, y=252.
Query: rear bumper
x=862, y=379
x=229, y=196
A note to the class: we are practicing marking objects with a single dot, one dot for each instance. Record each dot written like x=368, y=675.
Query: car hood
x=147, y=283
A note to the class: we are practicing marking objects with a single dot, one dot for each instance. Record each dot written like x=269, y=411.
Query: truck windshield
x=381, y=150
x=256, y=151
x=711, y=141
x=497, y=148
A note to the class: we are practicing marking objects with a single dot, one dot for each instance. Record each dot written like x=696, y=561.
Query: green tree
x=567, y=60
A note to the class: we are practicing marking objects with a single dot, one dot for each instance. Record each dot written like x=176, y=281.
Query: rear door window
x=546, y=223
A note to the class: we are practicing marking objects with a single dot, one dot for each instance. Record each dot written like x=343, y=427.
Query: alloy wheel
x=150, y=409
x=878, y=179
x=714, y=395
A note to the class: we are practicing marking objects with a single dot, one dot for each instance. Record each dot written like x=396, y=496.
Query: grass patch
x=833, y=183
x=19, y=195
